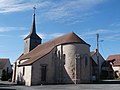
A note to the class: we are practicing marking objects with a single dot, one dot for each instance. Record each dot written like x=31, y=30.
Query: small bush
x=4, y=76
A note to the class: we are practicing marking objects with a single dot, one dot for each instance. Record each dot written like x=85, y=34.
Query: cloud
x=105, y=34
x=8, y=29
x=116, y=24
x=3, y=35
x=50, y=36
x=62, y=11
x=46, y=36
x=100, y=31
x=92, y=33
x=56, y=34
x=8, y=6
x=43, y=36
x=71, y=10
x=113, y=37
x=4, y=30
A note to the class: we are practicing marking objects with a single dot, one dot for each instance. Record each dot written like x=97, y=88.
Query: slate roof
x=3, y=62
x=33, y=34
x=45, y=48
x=115, y=59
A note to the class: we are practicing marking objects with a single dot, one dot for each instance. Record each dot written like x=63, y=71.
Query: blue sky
x=57, y=17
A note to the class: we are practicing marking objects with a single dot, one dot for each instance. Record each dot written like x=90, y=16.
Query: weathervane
x=34, y=9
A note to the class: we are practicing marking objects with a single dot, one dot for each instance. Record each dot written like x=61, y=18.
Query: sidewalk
x=104, y=85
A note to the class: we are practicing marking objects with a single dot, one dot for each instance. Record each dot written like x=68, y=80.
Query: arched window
x=64, y=56
x=23, y=71
x=86, y=60
x=7, y=70
x=43, y=72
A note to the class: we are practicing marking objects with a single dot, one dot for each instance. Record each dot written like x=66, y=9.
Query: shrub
x=4, y=75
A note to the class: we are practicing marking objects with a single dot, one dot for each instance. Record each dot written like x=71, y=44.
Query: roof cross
x=34, y=9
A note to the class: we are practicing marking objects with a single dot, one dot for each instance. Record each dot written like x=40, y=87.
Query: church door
x=43, y=73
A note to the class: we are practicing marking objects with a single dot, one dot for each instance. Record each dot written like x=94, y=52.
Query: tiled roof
x=116, y=62
x=45, y=48
x=3, y=62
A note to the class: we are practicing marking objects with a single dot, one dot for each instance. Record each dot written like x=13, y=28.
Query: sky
x=58, y=17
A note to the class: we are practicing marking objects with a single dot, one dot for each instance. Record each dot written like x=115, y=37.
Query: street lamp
x=97, y=52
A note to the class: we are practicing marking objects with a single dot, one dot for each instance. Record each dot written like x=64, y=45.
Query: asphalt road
x=106, y=86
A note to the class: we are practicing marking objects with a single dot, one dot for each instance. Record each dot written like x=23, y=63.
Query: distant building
x=95, y=64
x=63, y=60
x=5, y=65
x=115, y=62
x=105, y=67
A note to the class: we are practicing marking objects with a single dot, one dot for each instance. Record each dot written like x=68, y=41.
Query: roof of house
x=116, y=59
x=93, y=62
x=92, y=53
x=45, y=48
x=3, y=62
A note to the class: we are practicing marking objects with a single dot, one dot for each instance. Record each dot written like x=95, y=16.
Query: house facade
x=63, y=60
x=5, y=65
x=107, y=71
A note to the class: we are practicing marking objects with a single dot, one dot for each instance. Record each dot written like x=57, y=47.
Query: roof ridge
x=46, y=47
x=3, y=62
x=4, y=58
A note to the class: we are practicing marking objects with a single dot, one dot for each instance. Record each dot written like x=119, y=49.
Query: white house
x=65, y=59
x=115, y=62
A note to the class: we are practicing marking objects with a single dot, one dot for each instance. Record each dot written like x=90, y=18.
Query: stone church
x=63, y=60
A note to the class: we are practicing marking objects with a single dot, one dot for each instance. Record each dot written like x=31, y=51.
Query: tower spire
x=32, y=40
x=33, y=30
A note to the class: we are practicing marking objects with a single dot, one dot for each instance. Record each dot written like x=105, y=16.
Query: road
x=106, y=86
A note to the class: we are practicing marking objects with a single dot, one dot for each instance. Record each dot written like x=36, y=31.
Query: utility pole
x=75, y=69
x=97, y=52
x=77, y=57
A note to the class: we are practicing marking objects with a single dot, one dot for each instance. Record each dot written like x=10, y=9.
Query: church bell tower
x=32, y=40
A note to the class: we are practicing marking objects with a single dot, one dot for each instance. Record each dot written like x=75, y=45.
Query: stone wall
x=61, y=68
x=36, y=69
x=75, y=67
